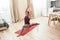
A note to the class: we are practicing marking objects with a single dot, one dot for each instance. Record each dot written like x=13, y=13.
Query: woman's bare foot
x=18, y=35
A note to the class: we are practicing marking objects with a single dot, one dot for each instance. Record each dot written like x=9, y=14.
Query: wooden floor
x=41, y=32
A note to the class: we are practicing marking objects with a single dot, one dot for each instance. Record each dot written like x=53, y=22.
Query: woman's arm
x=27, y=8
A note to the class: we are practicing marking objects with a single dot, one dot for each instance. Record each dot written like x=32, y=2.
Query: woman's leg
x=25, y=26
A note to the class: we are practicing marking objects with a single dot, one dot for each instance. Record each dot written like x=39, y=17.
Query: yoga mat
x=26, y=30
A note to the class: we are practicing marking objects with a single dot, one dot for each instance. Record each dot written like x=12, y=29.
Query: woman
x=26, y=21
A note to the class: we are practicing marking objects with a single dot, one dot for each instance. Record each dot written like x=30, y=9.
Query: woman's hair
x=27, y=12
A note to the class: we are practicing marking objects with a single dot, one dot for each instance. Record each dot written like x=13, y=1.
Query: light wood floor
x=41, y=32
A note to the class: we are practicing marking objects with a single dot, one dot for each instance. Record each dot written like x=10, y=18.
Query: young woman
x=26, y=21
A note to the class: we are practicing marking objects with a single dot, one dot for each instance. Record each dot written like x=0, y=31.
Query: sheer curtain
x=30, y=9
x=40, y=7
x=18, y=8
x=14, y=10
x=5, y=10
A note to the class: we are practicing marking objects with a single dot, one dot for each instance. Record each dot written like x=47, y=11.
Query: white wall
x=5, y=10
x=40, y=6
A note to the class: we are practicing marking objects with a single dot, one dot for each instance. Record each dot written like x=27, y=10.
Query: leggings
x=25, y=26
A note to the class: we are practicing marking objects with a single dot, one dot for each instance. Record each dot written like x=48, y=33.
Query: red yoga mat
x=26, y=30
